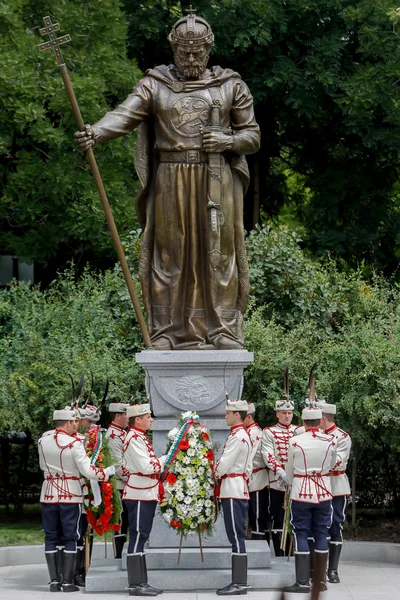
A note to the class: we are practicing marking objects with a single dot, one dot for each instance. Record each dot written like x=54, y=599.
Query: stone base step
x=259, y=557
x=113, y=579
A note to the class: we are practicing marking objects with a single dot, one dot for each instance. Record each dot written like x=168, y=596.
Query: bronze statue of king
x=195, y=126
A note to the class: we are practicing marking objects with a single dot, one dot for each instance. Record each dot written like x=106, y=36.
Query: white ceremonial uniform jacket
x=116, y=437
x=259, y=475
x=235, y=465
x=339, y=480
x=140, y=467
x=274, y=449
x=62, y=459
x=310, y=458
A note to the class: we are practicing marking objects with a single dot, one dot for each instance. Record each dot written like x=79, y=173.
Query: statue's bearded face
x=191, y=62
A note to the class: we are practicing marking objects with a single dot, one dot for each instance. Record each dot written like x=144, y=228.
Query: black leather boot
x=319, y=577
x=145, y=583
x=333, y=565
x=302, y=566
x=52, y=567
x=311, y=546
x=238, y=587
x=137, y=577
x=69, y=571
x=276, y=541
x=60, y=561
x=80, y=571
x=118, y=544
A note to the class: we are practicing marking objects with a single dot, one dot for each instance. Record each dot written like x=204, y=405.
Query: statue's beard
x=191, y=70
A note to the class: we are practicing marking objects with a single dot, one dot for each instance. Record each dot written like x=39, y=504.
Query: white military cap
x=328, y=409
x=118, y=407
x=311, y=414
x=237, y=405
x=252, y=409
x=89, y=412
x=137, y=410
x=65, y=414
x=285, y=404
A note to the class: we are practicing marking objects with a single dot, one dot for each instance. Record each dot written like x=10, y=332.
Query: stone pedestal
x=197, y=380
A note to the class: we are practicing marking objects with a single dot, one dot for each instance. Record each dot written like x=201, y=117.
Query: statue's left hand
x=215, y=141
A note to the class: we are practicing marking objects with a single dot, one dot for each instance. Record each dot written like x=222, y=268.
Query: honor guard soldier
x=340, y=486
x=233, y=470
x=258, y=505
x=311, y=457
x=62, y=459
x=142, y=469
x=274, y=449
x=116, y=434
x=88, y=416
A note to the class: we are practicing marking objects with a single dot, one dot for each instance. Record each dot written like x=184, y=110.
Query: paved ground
x=360, y=581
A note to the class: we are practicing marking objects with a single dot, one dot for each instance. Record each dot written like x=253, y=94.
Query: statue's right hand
x=85, y=139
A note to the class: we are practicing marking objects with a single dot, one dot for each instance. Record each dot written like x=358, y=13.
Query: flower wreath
x=105, y=517
x=188, y=504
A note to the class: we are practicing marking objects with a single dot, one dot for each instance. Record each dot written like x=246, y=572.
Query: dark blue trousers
x=258, y=511
x=275, y=507
x=311, y=520
x=83, y=525
x=235, y=515
x=140, y=517
x=61, y=524
x=339, y=504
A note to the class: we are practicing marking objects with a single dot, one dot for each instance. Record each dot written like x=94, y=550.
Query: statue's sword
x=214, y=195
x=54, y=43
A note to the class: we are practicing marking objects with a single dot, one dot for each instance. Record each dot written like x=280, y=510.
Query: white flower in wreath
x=187, y=415
x=173, y=433
x=200, y=471
x=193, y=442
x=186, y=460
x=208, y=503
x=193, y=525
x=179, y=496
x=167, y=517
x=208, y=512
x=191, y=452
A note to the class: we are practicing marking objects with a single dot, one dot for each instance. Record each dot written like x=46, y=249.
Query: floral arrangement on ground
x=106, y=516
x=188, y=503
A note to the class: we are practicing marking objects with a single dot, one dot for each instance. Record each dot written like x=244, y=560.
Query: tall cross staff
x=54, y=43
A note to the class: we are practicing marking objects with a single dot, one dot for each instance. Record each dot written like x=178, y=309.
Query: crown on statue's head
x=191, y=31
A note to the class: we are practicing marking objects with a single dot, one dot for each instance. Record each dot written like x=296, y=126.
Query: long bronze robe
x=189, y=304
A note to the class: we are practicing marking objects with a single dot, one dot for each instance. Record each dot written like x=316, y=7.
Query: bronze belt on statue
x=184, y=156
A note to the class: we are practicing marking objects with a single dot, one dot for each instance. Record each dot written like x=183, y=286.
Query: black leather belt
x=184, y=156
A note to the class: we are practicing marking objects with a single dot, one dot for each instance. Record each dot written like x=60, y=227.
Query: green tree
x=74, y=326
x=49, y=206
x=325, y=81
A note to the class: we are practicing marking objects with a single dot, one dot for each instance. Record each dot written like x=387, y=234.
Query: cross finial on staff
x=54, y=42
x=190, y=10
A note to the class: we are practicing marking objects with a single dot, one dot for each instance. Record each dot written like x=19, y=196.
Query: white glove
x=94, y=484
x=109, y=471
x=282, y=474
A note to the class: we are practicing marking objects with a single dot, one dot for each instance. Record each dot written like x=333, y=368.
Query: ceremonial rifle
x=54, y=43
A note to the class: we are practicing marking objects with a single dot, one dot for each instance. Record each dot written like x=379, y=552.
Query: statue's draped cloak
x=189, y=305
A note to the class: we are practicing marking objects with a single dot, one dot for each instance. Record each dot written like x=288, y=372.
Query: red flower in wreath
x=171, y=479
x=184, y=445
x=205, y=436
x=175, y=524
x=210, y=455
